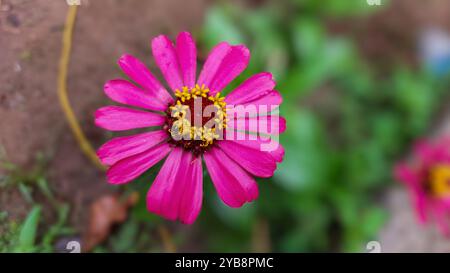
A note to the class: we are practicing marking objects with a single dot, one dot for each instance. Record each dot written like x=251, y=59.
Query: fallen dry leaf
x=105, y=212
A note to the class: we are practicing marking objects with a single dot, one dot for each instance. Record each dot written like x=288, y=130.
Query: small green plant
x=25, y=236
x=25, y=180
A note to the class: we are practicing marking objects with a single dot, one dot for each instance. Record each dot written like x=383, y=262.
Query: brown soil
x=31, y=120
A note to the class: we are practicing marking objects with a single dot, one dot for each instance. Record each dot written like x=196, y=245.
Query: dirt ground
x=31, y=120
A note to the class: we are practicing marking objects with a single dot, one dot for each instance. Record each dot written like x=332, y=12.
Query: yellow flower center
x=440, y=181
x=196, y=119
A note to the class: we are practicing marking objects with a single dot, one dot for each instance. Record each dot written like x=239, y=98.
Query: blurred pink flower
x=428, y=181
x=177, y=190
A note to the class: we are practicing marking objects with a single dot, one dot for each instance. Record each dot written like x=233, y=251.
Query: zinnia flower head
x=236, y=135
x=428, y=181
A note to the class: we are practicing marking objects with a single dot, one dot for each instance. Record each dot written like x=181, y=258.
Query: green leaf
x=125, y=240
x=57, y=229
x=26, y=192
x=28, y=231
x=45, y=189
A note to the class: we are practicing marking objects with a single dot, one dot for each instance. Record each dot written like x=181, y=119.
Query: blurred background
x=361, y=80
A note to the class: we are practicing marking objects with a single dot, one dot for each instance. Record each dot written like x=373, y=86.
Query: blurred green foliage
x=346, y=126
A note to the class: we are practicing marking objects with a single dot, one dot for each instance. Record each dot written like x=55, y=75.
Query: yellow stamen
x=440, y=181
x=182, y=126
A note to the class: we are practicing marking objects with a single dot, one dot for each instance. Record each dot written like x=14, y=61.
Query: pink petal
x=117, y=118
x=165, y=190
x=442, y=150
x=262, y=106
x=191, y=202
x=253, y=88
x=122, y=147
x=266, y=103
x=418, y=196
x=177, y=190
x=223, y=65
x=420, y=204
x=268, y=145
x=254, y=161
x=131, y=167
x=271, y=125
x=122, y=91
x=234, y=185
x=139, y=73
x=187, y=58
x=166, y=58
x=405, y=174
x=213, y=62
x=425, y=152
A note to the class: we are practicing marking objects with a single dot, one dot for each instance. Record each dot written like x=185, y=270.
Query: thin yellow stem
x=166, y=238
x=261, y=236
x=75, y=127
x=80, y=137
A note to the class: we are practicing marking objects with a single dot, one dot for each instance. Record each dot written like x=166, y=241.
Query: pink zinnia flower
x=428, y=181
x=232, y=148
